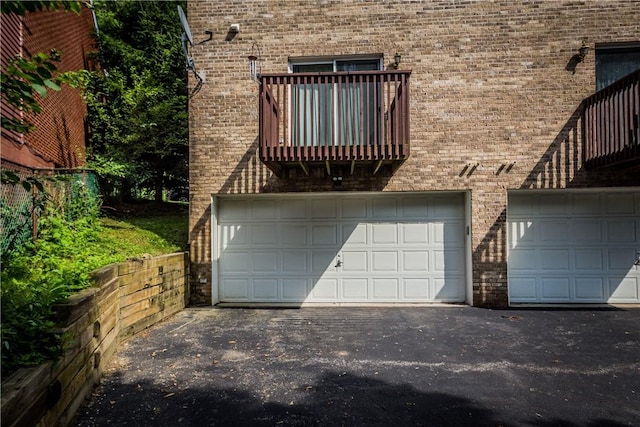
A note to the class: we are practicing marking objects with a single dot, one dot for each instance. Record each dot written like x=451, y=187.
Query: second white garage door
x=341, y=248
x=574, y=247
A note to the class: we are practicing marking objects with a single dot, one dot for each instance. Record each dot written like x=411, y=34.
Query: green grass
x=133, y=237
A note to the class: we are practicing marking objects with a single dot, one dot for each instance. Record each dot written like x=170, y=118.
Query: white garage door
x=576, y=247
x=341, y=248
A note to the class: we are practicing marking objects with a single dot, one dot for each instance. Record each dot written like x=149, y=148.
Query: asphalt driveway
x=400, y=366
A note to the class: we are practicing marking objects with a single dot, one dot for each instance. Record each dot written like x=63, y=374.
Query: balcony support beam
x=353, y=166
x=305, y=168
x=377, y=167
x=327, y=164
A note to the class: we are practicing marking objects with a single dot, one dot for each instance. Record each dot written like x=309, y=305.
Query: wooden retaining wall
x=125, y=299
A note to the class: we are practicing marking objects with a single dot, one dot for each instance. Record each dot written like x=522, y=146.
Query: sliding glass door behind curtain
x=336, y=112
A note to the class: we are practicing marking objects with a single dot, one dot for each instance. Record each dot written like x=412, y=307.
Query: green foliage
x=21, y=80
x=143, y=125
x=24, y=79
x=22, y=7
x=72, y=242
x=37, y=275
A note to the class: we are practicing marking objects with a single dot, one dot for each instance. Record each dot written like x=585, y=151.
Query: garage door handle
x=338, y=261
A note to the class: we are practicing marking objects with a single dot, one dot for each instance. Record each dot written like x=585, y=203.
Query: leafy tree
x=138, y=105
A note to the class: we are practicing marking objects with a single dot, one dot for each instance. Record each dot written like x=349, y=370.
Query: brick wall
x=126, y=298
x=494, y=103
x=58, y=139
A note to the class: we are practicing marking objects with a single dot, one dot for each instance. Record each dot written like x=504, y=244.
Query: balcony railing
x=323, y=119
x=611, y=120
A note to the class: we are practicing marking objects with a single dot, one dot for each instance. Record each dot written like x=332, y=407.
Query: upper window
x=325, y=64
x=614, y=62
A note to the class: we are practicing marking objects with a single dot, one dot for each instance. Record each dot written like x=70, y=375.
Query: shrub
x=45, y=271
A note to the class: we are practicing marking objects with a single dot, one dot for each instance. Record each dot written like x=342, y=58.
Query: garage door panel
x=589, y=259
x=624, y=289
x=622, y=259
x=234, y=236
x=264, y=262
x=323, y=208
x=347, y=248
x=415, y=208
x=576, y=247
x=235, y=289
x=322, y=261
x=355, y=208
x=415, y=261
x=589, y=289
x=621, y=203
x=234, y=210
x=235, y=262
x=325, y=290
x=293, y=209
x=449, y=289
x=355, y=261
x=447, y=207
x=447, y=232
x=587, y=230
x=552, y=205
x=554, y=259
x=554, y=231
x=521, y=205
x=523, y=259
x=293, y=235
x=621, y=231
x=324, y=235
x=521, y=233
x=416, y=289
x=415, y=234
x=265, y=289
x=263, y=209
x=586, y=204
x=447, y=261
x=294, y=262
x=382, y=208
x=384, y=261
x=263, y=235
x=555, y=289
x=295, y=289
x=355, y=289
x=525, y=288
x=384, y=234
x=354, y=234
x=385, y=289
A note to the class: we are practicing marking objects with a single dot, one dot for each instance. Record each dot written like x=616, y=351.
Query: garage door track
x=402, y=366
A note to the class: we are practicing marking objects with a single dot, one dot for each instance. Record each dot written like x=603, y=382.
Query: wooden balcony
x=330, y=120
x=611, y=119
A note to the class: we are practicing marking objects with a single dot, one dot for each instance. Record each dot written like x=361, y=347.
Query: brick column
x=489, y=243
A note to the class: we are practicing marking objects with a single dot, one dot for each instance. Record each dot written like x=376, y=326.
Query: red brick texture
x=58, y=139
x=493, y=105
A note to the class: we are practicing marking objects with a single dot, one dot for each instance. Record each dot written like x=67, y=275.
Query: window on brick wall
x=318, y=107
x=615, y=61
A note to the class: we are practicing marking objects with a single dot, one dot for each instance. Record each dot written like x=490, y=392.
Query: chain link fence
x=21, y=208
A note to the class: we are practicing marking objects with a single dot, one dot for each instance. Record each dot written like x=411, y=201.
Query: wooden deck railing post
x=610, y=123
x=358, y=116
